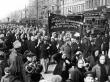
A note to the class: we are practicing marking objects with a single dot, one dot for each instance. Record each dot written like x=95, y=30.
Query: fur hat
x=1, y=35
x=17, y=44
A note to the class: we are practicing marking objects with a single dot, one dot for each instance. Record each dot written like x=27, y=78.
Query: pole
x=25, y=11
x=49, y=24
x=63, y=7
x=37, y=10
x=37, y=15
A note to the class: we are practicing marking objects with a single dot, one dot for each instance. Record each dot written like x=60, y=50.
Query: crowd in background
x=27, y=52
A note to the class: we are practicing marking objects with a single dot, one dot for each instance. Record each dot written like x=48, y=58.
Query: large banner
x=62, y=23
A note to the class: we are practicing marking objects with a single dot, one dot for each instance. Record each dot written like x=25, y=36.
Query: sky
x=8, y=6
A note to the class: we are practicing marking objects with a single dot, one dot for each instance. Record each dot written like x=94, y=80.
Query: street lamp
x=49, y=22
x=8, y=19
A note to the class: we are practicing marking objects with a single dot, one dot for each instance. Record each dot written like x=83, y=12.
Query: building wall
x=46, y=6
x=72, y=6
x=92, y=4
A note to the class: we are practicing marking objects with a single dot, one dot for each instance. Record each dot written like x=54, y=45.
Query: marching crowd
x=26, y=53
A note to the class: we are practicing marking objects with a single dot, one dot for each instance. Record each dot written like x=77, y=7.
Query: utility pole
x=25, y=12
x=63, y=7
x=37, y=11
x=8, y=19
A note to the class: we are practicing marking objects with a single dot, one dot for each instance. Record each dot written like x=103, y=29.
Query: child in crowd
x=7, y=77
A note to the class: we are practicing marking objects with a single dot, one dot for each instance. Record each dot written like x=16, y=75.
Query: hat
x=17, y=44
x=67, y=39
x=1, y=35
x=78, y=52
x=30, y=54
x=1, y=41
x=89, y=74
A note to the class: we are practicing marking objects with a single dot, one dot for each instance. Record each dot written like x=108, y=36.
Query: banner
x=62, y=23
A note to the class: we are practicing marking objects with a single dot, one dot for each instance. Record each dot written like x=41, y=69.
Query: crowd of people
x=26, y=53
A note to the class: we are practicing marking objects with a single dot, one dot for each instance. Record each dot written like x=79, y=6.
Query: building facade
x=94, y=4
x=45, y=7
x=72, y=6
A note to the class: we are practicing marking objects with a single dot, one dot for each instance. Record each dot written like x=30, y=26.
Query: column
x=108, y=2
x=91, y=3
x=97, y=3
x=104, y=2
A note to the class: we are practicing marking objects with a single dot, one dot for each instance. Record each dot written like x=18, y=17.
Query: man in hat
x=30, y=69
x=66, y=48
x=26, y=74
x=98, y=42
x=89, y=77
x=32, y=46
x=16, y=60
x=44, y=49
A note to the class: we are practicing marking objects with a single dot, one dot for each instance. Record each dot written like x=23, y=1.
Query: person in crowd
x=53, y=49
x=77, y=74
x=32, y=45
x=98, y=42
x=74, y=45
x=89, y=77
x=85, y=46
x=66, y=48
x=8, y=77
x=75, y=58
x=92, y=47
x=16, y=61
x=32, y=69
x=23, y=41
x=93, y=58
x=63, y=65
x=101, y=69
x=44, y=49
x=105, y=44
x=3, y=64
x=26, y=75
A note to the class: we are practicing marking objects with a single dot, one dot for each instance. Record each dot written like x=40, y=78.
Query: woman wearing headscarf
x=101, y=69
x=77, y=74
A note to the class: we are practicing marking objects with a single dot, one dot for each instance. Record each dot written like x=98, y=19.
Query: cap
x=90, y=74
x=30, y=54
x=78, y=52
x=67, y=39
